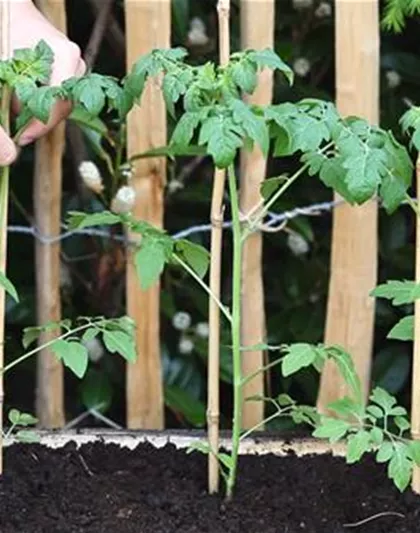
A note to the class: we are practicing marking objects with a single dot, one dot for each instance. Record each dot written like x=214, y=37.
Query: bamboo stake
x=253, y=170
x=213, y=400
x=415, y=390
x=148, y=27
x=47, y=210
x=350, y=313
x=4, y=196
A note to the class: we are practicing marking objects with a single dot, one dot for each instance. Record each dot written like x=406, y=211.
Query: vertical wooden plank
x=253, y=170
x=415, y=389
x=350, y=313
x=4, y=197
x=147, y=27
x=47, y=209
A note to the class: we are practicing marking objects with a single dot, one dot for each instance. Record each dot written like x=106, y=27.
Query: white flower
x=91, y=176
x=181, y=321
x=393, y=79
x=185, y=346
x=301, y=66
x=323, y=10
x=197, y=36
x=94, y=348
x=302, y=4
x=174, y=186
x=297, y=244
x=202, y=330
x=124, y=200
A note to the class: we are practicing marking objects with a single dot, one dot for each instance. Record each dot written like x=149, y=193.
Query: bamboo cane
x=415, y=391
x=351, y=312
x=4, y=190
x=47, y=209
x=257, y=36
x=147, y=27
x=213, y=401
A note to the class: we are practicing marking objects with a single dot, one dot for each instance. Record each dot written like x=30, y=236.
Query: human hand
x=27, y=27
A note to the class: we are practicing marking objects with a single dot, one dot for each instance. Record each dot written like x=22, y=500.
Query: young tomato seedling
x=354, y=158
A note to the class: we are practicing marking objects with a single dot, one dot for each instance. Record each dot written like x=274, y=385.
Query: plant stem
x=42, y=347
x=197, y=278
x=235, y=329
x=264, y=368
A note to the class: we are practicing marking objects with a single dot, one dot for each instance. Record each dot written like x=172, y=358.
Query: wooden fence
x=350, y=313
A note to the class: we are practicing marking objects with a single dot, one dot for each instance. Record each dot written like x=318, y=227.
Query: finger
x=8, y=149
x=37, y=129
x=73, y=66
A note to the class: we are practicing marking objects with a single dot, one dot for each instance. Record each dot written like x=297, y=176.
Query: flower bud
x=202, y=330
x=297, y=244
x=301, y=67
x=393, y=79
x=124, y=200
x=91, y=176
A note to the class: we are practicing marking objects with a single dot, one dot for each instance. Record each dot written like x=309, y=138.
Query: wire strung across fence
x=273, y=221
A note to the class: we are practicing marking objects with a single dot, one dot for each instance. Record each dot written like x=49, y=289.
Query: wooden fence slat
x=350, y=313
x=147, y=27
x=47, y=209
x=4, y=188
x=253, y=170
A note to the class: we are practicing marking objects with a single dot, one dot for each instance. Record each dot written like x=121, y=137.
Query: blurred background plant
x=296, y=266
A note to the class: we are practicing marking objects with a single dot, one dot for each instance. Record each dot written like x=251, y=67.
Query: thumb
x=8, y=150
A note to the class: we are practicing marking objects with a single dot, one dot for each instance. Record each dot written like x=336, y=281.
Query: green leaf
x=414, y=450
x=90, y=334
x=73, y=354
x=375, y=411
x=285, y=400
x=357, y=446
x=185, y=128
x=27, y=437
x=253, y=124
x=331, y=429
x=80, y=116
x=346, y=407
x=268, y=58
x=122, y=343
x=42, y=101
x=194, y=255
x=400, y=466
x=21, y=419
x=271, y=185
x=180, y=401
x=403, y=330
x=150, y=261
x=385, y=452
x=223, y=138
x=382, y=398
x=347, y=369
x=8, y=286
x=34, y=63
x=244, y=74
x=400, y=292
x=199, y=446
x=79, y=220
x=88, y=91
x=402, y=423
x=364, y=173
x=226, y=460
x=298, y=356
x=377, y=436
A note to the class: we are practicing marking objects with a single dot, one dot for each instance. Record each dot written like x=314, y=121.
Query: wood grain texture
x=350, y=313
x=47, y=210
x=253, y=172
x=148, y=27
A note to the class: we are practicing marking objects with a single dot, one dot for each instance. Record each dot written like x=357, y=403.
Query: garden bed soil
x=100, y=488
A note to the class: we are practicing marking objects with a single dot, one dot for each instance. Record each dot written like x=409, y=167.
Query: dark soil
x=106, y=489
